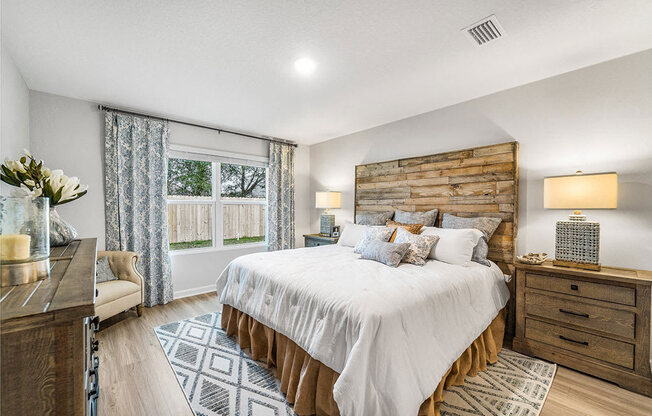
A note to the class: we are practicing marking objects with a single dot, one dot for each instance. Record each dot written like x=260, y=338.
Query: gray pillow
x=487, y=225
x=103, y=271
x=390, y=254
x=407, y=217
x=373, y=218
x=373, y=234
x=419, y=245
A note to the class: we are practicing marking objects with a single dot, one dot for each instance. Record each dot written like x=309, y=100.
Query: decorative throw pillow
x=373, y=218
x=373, y=234
x=419, y=245
x=487, y=225
x=413, y=228
x=407, y=217
x=103, y=271
x=454, y=246
x=390, y=254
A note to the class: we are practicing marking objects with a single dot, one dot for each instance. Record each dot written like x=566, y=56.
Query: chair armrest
x=123, y=265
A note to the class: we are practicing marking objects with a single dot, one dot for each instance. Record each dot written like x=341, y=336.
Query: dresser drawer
x=595, y=346
x=600, y=291
x=593, y=317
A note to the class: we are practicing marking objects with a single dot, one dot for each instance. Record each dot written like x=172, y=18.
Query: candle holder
x=24, y=240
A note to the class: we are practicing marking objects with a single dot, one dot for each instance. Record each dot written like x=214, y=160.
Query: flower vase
x=61, y=232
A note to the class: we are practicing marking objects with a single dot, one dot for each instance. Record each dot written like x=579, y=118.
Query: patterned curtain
x=136, y=197
x=280, y=204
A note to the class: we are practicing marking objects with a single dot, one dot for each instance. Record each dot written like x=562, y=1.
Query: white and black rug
x=218, y=378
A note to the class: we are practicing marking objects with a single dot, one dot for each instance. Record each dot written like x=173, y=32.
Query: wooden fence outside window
x=192, y=222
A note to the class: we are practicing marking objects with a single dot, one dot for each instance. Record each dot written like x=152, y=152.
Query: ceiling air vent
x=484, y=31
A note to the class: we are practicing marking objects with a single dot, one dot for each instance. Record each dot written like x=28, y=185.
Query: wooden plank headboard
x=481, y=181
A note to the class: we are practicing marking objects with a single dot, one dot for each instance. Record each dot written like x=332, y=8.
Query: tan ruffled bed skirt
x=308, y=384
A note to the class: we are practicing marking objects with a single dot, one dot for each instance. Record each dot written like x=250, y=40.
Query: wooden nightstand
x=314, y=240
x=594, y=322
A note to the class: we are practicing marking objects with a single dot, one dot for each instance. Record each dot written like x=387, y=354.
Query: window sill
x=214, y=249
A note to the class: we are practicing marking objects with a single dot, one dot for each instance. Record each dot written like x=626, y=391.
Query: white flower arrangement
x=34, y=179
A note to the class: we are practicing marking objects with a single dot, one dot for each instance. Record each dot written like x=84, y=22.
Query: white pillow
x=455, y=246
x=351, y=234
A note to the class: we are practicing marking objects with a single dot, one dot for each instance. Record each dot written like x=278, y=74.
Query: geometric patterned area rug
x=219, y=379
x=515, y=385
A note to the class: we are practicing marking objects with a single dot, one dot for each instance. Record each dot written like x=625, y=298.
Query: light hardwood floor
x=136, y=379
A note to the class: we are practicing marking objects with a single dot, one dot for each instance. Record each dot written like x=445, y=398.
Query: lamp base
x=326, y=224
x=586, y=266
x=577, y=243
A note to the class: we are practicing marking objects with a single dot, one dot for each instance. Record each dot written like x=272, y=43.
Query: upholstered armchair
x=125, y=293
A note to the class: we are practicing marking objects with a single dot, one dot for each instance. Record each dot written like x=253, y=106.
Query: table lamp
x=327, y=200
x=577, y=241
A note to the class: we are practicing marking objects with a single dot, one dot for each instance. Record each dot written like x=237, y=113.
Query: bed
x=355, y=337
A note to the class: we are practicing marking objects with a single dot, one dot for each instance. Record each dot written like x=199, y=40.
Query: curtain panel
x=280, y=197
x=135, y=190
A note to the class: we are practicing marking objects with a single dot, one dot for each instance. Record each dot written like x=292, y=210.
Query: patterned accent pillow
x=373, y=218
x=103, y=271
x=373, y=234
x=426, y=218
x=419, y=245
x=413, y=228
x=487, y=225
x=387, y=253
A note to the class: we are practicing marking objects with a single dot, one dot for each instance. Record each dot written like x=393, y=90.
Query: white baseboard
x=178, y=294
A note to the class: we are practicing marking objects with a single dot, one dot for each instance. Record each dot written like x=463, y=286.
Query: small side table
x=314, y=240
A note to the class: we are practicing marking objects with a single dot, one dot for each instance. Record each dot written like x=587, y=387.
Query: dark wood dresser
x=594, y=322
x=49, y=366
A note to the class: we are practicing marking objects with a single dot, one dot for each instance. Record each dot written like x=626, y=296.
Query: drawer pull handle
x=574, y=287
x=95, y=323
x=572, y=340
x=583, y=315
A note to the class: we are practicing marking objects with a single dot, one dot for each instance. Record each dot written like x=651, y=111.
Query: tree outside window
x=240, y=181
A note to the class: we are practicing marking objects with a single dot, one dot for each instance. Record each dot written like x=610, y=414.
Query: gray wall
x=595, y=119
x=69, y=134
x=14, y=113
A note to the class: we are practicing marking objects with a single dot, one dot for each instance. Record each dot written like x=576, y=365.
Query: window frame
x=217, y=205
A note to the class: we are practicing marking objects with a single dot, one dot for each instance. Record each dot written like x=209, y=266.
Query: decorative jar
x=24, y=239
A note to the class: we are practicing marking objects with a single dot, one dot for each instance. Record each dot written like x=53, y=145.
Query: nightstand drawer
x=592, y=317
x=595, y=346
x=600, y=291
x=316, y=240
x=311, y=242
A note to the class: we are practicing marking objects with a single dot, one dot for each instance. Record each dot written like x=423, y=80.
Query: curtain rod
x=202, y=126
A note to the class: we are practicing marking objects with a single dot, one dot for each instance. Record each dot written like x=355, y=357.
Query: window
x=215, y=203
x=243, y=193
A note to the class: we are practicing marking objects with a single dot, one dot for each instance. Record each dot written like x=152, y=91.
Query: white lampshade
x=581, y=191
x=328, y=199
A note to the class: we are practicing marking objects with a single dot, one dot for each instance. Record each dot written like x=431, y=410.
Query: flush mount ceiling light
x=305, y=66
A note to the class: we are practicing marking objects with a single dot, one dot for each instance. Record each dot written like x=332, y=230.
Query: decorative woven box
x=326, y=224
x=578, y=241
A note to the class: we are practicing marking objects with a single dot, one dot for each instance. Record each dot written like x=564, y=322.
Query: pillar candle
x=14, y=247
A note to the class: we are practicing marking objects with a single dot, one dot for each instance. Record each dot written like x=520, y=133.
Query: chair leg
x=139, y=309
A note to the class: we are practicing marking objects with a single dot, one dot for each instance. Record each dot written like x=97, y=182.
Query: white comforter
x=391, y=333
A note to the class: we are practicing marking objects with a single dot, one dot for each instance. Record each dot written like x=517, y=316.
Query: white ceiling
x=231, y=63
